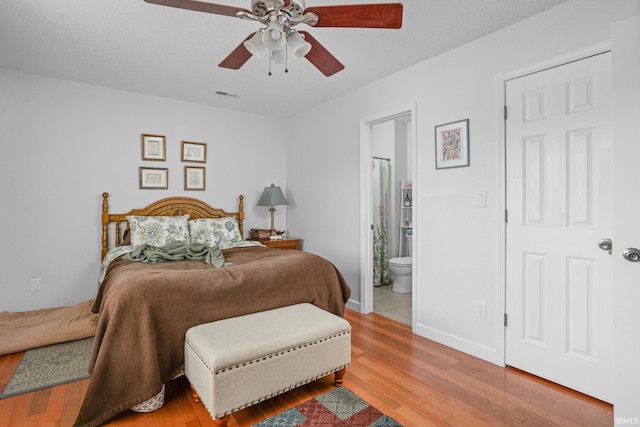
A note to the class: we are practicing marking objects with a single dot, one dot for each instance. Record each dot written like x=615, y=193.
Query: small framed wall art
x=154, y=178
x=452, y=144
x=194, y=152
x=194, y=178
x=153, y=147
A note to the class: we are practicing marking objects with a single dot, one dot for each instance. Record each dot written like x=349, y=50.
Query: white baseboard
x=353, y=305
x=478, y=350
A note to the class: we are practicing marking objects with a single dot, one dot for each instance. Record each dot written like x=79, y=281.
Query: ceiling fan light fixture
x=254, y=45
x=298, y=46
x=279, y=17
x=279, y=56
x=273, y=36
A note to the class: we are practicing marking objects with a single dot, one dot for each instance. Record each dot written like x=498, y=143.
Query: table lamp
x=272, y=196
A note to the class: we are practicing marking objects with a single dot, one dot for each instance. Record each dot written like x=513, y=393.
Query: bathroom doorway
x=388, y=208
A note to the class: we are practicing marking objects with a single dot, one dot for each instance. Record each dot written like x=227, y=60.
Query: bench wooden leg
x=218, y=422
x=222, y=422
x=339, y=377
x=196, y=398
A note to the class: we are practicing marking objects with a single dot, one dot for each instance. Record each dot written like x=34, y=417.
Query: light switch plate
x=481, y=199
x=481, y=309
x=35, y=284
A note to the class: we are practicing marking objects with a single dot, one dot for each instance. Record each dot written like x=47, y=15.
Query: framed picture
x=194, y=152
x=153, y=147
x=194, y=178
x=452, y=145
x=154, y=178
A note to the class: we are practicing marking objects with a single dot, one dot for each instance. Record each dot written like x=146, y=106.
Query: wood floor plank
x=6, y=408
x=72, y=404
x=20, y=410
x=8, y=365
x=55, y=408
x=40, y=401
x=412, y=379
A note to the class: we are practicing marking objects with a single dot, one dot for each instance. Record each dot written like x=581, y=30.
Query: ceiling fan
x=280, y=37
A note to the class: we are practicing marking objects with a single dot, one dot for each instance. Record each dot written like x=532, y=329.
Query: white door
x=626, y=231
x=559, y=193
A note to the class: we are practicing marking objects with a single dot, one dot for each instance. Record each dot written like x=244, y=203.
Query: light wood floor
x=412, y=379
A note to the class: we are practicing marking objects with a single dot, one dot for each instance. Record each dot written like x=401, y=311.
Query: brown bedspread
x=146, y=309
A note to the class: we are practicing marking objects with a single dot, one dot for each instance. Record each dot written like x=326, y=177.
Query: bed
x=145, y=308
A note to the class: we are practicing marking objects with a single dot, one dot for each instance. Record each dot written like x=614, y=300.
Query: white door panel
x=559, y=192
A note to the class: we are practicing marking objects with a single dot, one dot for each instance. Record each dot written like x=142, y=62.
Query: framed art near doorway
x=452, y=144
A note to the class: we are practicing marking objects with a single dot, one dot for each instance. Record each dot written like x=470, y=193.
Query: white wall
x=65, y=143
x=458, y=244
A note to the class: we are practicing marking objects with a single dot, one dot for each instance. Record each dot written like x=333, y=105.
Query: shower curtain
x=381, y=185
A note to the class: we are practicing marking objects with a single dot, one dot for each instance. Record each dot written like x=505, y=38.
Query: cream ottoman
x=237, y=362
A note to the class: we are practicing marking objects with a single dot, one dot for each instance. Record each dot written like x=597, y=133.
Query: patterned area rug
x=48, y=366
x=337, y=407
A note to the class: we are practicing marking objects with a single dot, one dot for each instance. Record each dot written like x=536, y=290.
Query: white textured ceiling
x=140, y=47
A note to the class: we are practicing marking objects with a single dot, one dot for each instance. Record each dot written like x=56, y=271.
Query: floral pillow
x=158, y=230
x=212, y=231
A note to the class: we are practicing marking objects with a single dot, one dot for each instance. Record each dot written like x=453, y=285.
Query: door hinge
x=371, y=227
x=506, y=216
x=505, y=320
x=505, y=112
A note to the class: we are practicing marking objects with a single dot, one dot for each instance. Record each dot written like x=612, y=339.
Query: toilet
x=401, y=271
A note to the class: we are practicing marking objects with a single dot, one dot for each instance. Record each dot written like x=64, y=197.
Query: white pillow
x=158, y=230
x=212, y=231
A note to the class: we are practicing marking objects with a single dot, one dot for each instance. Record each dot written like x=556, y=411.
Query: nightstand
x=285, y=243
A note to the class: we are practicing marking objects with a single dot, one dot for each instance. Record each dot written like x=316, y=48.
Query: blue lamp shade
x=272, y=196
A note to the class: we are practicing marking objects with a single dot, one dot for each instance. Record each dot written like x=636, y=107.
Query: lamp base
x=274, y=235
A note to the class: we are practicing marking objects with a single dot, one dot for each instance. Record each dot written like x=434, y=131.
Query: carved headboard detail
x=171, y=206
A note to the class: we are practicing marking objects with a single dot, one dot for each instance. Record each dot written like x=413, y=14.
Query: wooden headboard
x=170, y=206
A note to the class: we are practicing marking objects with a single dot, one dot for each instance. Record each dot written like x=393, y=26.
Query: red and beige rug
x=337, y=407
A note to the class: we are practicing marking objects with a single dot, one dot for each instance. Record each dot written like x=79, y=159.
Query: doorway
x=559, y=299
x=390, y=139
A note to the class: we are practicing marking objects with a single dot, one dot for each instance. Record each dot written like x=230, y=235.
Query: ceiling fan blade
x=321, y=58
x=200, y=6
x=380, y=15
x=238, y=57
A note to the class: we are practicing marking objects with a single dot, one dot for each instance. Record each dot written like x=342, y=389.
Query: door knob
x=605, y=245
x=631, y=254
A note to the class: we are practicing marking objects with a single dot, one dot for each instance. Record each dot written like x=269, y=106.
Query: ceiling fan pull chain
x=286, y=58
x=270, y=56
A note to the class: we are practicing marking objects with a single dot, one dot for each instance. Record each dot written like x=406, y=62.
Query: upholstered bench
x=240, y=361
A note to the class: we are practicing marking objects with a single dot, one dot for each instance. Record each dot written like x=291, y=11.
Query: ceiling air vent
x=230, y=95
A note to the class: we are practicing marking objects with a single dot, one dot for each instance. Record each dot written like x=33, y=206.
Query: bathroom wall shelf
x=406, y=217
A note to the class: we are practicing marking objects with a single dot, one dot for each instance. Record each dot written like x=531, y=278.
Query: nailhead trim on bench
x=268, y=356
